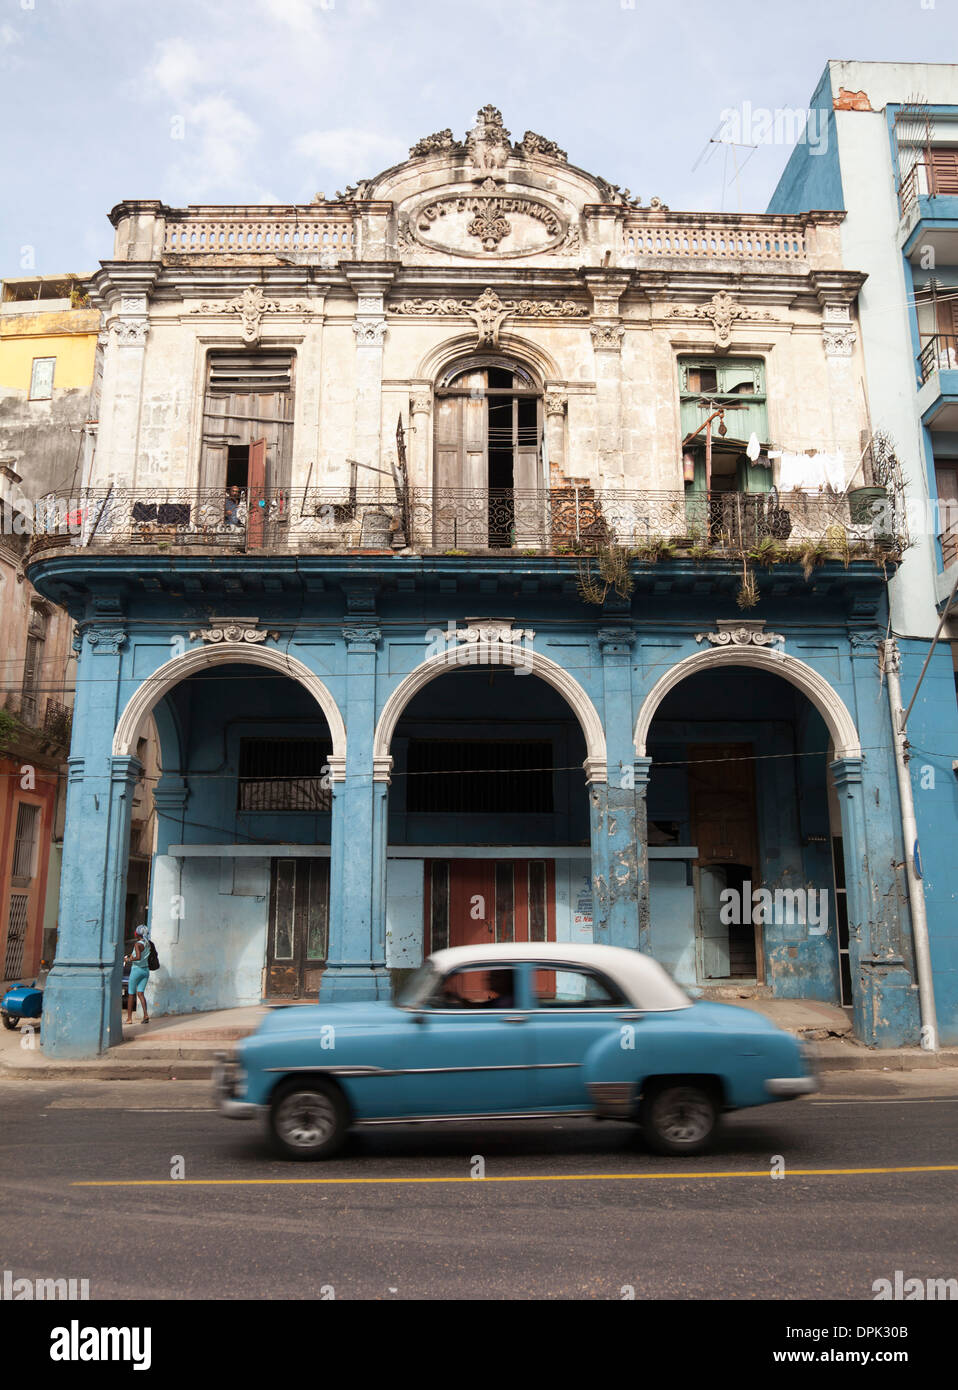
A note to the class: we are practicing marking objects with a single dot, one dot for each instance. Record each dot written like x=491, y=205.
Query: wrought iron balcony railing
x=939, y=354
x=566, y=520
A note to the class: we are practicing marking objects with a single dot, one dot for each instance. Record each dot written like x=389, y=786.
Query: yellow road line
x=531, y=1177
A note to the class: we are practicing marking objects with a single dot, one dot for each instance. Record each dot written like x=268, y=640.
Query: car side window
x=475, y=988
x=574, y=989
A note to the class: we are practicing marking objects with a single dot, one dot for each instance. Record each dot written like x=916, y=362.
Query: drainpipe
x=909, y=828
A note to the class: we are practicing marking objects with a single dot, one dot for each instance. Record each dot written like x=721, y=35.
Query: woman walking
x=139, y=974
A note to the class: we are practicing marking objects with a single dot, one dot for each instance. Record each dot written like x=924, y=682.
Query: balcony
x=938, y=374
x=928, y=201
x=563, y=521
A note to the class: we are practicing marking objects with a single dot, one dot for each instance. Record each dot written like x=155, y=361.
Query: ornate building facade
x=480, y=543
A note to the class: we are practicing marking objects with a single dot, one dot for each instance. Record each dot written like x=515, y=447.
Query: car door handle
x=516, y=1018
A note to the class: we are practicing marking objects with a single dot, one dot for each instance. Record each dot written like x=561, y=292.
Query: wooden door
x=257, y=500
x=298, y=926
x=946, y=477
x=478, y=902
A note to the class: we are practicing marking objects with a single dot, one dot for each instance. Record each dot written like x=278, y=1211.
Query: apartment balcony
x=938, y=375
x=566, y=521
x=928, y=200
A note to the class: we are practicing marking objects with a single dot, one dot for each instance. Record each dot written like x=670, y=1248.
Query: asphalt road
x=587, y=1211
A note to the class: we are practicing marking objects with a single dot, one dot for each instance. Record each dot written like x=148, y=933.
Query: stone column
x=555, y=408
x=617, y=808
x=123, y=292
x=370, y=283
x=356, y=967
x=420, y=469
x=607, y=333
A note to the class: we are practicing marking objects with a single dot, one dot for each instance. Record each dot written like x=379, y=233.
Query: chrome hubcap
x=305, y=1119
x=684, y=1117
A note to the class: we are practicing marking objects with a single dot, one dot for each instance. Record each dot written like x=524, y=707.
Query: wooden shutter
x=256, y=493
x=944, y=170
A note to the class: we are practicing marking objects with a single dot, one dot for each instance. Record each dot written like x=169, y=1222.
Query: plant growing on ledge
x=9, y=727
x=612, y=562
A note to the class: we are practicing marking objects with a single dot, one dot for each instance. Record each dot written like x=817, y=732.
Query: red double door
x=482, y=901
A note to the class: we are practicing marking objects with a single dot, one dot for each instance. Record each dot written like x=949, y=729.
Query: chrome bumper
x=225, y=1075
x=787, y=1087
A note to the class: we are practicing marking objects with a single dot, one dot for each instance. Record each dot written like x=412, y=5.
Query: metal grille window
x=459, y=776
x=16, y=935
x=284, y=774
x=505, y=902
x=25, y=842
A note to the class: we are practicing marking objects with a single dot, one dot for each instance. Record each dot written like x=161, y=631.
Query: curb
x=191, y=1068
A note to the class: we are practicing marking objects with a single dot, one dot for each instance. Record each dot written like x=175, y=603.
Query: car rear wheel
x=308, y=1120
x=10, y=1022
x=679, y=1119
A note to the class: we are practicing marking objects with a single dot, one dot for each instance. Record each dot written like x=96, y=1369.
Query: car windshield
x=418, y=986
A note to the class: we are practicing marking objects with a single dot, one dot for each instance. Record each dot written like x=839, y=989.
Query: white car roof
x=641, y=978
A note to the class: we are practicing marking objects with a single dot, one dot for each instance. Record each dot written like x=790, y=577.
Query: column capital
x=846, y=772
x=615, y=641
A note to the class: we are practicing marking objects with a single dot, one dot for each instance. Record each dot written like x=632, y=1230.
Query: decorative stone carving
x=421, y=404
x=106, y=641
x=370, y=332
x=740, y=633
x=866, y=637
x=445, y=220
x=489, y=311
x=500, y=633
x=131, y=332
x=722, y=310
x=838, y=334
x=361, y=636
x=607, y=337
x=240, y=630
x=555, y=402
x=488, y=141
x=439, y=143
x=533, y=144
x=133, y=304
x=251, y=306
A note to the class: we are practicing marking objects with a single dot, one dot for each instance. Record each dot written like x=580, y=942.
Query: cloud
x=299, y=15
x=177, y=68
x=358, y=153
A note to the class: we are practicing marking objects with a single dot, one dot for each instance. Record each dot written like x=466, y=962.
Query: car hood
x=307, y=1018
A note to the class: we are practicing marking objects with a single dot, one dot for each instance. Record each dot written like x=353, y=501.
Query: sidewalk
x=181, y=1047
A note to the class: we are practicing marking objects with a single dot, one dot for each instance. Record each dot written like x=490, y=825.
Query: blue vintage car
x=508, y=1032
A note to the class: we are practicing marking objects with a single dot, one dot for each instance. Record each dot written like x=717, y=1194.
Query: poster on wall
x=582, y=907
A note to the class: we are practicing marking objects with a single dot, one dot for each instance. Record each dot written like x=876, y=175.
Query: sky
x=272, y=101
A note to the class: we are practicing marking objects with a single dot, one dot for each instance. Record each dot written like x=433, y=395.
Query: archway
x=240, y=896
x=489, y=821
x=746, y=843
x=823, y=696
x=178, y=668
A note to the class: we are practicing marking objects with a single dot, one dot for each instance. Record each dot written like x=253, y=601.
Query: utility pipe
x=909, y=827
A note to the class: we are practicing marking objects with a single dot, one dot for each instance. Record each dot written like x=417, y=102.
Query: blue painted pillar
x=885, y=978
x=617, y=808
x=356, y=963
x=81, y=1006
x=81, y=1003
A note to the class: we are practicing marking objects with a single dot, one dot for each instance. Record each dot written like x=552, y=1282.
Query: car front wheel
x=308, y=1120
x=679, y=1119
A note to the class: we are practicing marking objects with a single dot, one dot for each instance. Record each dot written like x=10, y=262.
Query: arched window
x=488, y=482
